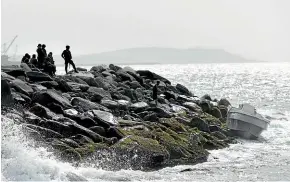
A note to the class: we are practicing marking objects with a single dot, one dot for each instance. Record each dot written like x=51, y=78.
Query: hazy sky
x=256, y=29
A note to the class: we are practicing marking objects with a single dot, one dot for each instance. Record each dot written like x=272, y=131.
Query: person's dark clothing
x=48, y=67
x=33, y=61
x=66, y=54
x=155, y=92
x=44, y=52
x=25, y=60
x=40, y=57
x=67, y=61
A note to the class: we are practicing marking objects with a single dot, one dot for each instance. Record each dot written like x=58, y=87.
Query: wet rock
x=99, y=69
x=218, y=135
x=169, y=95
x=224, y=102
x=99, y=93
x=74, y=177
x=205, y=106
x=21, y=87
x=67, y=96
x=114, y=67
x=78, y=129
x=109, y=104
x=31, y=118
x=118, y=96
x=38, y=76
x=124, y=76
x=135, y=84
x=44, y=131
x=183, y=90
x=216, y=112
x=71, y=112
x=61, y=128
x=102, y=83
x=49, y=84
x=81, y=139
x=200, y=124
x=6, y=96
x=114, y=132
x=99, y=130
x=49, y=96
x=224, y=111
x=42, y=111
x=214, y=128
x=151, y=117
x=86, y=105
x=7, y=77
x=161, y=112
x=192, y=106
x=139, y=106
x=56, y=108
x=82, y=120
x=70, y=142
x=18, y=99
x=206, y=97
x=152, y=76
x=81, y=69
x=90, y=81
x=78, y=87
x=104, y=118
x=37, y=88
x=123, y=104
x=14, y=72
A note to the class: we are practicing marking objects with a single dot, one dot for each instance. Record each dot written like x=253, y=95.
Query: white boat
x=246, y=122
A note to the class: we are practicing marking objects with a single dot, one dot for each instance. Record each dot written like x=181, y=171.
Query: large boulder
x=86, y=105
x=192, y=106
x=110, y=104
x=38, y=76
x=99, y=93
x=99, y=68
x=152, y=76
x=13, y=71
x=44, y=131
x=42, y=111
x=200, y=124
x=78, y=87
x=103, y=118
x=50, y=96
x=6, y=96
x=139, y=106
x=183, y=90
x=63, y=86
x=224, y=102
x=7, y=77
x=21, y=87
x=49, y=84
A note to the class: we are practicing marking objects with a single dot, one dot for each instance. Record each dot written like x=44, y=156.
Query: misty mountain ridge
x=156, y=55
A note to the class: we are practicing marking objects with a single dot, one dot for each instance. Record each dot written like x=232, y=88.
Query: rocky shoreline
x=106, y=117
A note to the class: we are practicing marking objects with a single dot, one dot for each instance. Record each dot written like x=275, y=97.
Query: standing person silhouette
x=40, y=56
x=66, y=55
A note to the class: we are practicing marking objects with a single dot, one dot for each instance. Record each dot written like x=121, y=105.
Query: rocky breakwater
x=106, y=117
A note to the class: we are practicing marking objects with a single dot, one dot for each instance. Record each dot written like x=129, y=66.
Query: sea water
x=264, y=85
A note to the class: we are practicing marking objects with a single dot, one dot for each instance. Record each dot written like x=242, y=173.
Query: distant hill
x=152, y=55
x=156, y=55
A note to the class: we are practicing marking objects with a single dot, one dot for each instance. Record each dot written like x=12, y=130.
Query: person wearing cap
x=66, y=55
x=40, y=56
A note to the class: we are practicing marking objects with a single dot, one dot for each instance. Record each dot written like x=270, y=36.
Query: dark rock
x=216, y=112
x=103, y=118
x=205, y=106
x=78, y=129
x=64, y=129
x=82, y=120
x=56, y=108
x=81, y=69
x=169, y=95
x=7, y=77
x=99, y=130
x=31, y=118
x=21, y=87
x=38, y=76
x=6, y=96
x=99, y=93
x=192, y=106
x=99, y=68
x=218, y=135
x=183, y=90
x=14, y=72
x=106, y=73
x=152, y=76
x=118, y=96
x=70, y=142
x=224, y=102
x=67, y=96
x=129, y=93
x=161, y=112
x=37, y=88
x=90, y=81
x=44, y=131
x=49, y=84
x=139, y=106
x=123, y=104
x=151, y=117
x=81, y=139
x=114, y=67
x=109, y=104
x=214, y=128
x=78, y=87
x=200, y=124
x=135, y=84
x=102, y=83
x=18, y=99
x=224, y=111
x=48, y=96
x=124, y=76
x=114, y=132
x=206, y=97
x=86, y=105
x=42, y=111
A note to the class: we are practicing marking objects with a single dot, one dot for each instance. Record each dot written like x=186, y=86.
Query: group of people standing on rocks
x=45, y=62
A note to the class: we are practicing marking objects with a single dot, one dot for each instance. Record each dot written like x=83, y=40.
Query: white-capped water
x=266, y=86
